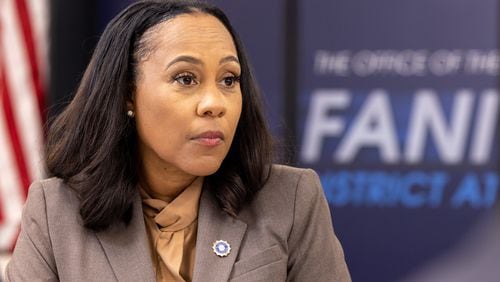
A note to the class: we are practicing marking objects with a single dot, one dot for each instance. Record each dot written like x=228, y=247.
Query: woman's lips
x=209, y=138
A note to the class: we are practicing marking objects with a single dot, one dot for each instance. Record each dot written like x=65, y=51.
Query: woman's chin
x=204, y=169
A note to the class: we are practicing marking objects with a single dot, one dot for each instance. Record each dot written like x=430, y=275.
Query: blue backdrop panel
x=397, y=111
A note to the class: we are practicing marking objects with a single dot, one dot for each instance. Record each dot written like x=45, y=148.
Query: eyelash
x=178, y=78
x=234, y=78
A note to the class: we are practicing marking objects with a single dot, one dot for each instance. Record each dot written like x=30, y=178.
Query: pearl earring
x=130, y=114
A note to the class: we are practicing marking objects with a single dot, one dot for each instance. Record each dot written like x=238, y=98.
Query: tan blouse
x=172, y=225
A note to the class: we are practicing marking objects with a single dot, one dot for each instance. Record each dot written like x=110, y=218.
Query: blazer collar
x=213, y=225
x=127, y=248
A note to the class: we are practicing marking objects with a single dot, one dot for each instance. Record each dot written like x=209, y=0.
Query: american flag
x=23, y=65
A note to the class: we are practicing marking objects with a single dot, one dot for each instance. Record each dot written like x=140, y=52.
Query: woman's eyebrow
x=196, y=61
x=188, y=59
x=229, y=59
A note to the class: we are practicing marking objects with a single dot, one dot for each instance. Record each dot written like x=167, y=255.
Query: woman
x=162, y=167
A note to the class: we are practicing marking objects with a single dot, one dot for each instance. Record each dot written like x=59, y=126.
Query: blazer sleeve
x=314, y=250
x=33, y=259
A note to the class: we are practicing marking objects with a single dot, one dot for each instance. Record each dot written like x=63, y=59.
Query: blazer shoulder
x=288, y=176
x=288, y=170
x=278, y=197
x=47, y=186
x=54, y=196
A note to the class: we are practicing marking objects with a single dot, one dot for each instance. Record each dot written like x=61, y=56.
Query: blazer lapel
x=127, y=248
x=213, y=225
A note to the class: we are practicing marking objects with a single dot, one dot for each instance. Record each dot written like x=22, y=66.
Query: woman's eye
x=230, y=81
x=186, y=79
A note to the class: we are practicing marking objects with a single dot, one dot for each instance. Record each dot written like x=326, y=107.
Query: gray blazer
x=284, y=234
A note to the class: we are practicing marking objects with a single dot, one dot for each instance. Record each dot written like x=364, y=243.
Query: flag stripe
x=38, y=12
x=12, y=131
x=30, y=49
x=11, y=195
x=24, y=102
x=3, y=137
x=22, y=69
x=15, y=179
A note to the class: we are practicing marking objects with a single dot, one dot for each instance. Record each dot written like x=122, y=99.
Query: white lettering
x=482, y=62
x=404, y=63
x=319, y=124
x=427, y=118
x=373, y=126
x=445, y=62
x=484, y=129
x=336, y=63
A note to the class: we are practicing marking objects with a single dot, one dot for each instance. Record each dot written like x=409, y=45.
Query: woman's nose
x=212, y=103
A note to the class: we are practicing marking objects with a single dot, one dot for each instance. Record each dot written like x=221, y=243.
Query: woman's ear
x=130, y=107
x=131, y=102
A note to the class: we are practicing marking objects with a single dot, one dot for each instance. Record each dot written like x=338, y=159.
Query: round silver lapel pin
x=221, y=248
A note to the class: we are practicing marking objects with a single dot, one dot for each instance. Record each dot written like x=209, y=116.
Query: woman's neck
x=166, y=184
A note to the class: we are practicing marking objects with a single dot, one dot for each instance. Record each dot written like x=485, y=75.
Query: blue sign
x=398, y=113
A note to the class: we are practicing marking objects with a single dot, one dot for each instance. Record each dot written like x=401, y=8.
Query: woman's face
x=188, y=98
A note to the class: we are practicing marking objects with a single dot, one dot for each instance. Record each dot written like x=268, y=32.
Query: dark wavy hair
x=92, y=144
